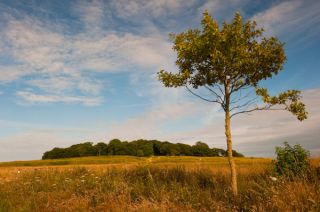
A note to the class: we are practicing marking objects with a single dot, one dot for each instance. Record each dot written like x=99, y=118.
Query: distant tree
x=236, y=154
x=132, y=148
x=140, y=153
x=201, y=149
x=84, y=149
x=147, y=149
x=139, y=148
x=218, y=152
x=156, y=147
x=185, y=149
x=101, y=148
x=169, y=149
x=114, y=146
x=225, y=62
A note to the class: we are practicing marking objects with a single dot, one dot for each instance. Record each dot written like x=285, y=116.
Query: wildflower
x=273, y=178
x=18, y=171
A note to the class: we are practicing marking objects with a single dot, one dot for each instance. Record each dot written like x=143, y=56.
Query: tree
x=101, y=148
x=114, y=147
x=225, y=64
x=201, y=149
x=185, y=149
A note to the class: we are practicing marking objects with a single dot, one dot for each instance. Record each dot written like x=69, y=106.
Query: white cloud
x=11, y=73
x=256, y=134
x=277, y=17
x=39, y=98
x=61, y=62
x=169, y=107
x=155, y=8
x=222, y=9
x=91, y=14
x=302, y=17
x=31, y=144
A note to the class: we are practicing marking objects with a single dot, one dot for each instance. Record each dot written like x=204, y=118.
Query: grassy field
x=123, y=183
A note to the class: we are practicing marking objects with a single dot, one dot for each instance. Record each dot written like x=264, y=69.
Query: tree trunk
x=234, y=184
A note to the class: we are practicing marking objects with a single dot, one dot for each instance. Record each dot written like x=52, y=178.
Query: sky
x=79, y=70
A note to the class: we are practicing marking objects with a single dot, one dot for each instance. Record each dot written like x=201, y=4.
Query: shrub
x=292, y=161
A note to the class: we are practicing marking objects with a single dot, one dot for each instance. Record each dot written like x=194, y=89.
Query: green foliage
x=292, y=160
x=77, y=150
x=140, y=153
x=236, y=154
x=139, y=148
x=231, y=57
x=201, y=149
x=290, y=99
x=207, y=56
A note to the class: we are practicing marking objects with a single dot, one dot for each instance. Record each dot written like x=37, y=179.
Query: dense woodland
x=139, y=148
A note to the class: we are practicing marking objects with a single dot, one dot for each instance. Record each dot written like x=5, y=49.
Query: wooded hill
x=139, y=148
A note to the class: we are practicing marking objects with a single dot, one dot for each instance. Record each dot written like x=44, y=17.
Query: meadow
x=127, y=183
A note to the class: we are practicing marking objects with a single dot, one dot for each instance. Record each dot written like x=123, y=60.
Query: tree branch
x=208, y=100
x=247, y=104
x=215, y=93
x=268, y=107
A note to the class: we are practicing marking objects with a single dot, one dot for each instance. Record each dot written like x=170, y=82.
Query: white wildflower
x=273, y=178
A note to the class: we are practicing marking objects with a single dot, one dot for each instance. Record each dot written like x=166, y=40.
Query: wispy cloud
x=11, y=73
x=31, y=97
x=263, y=129
x=155, y=8
x=300, y=17
x=60, y=62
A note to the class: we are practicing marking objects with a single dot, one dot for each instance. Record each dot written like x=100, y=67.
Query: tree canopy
x=236, y=54
x=139, y=148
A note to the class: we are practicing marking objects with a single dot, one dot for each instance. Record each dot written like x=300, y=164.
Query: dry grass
x=155, y=184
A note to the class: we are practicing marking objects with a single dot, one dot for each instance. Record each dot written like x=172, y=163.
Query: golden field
x=125, y=183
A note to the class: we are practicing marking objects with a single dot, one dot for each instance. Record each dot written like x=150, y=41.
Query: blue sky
x=74, y=71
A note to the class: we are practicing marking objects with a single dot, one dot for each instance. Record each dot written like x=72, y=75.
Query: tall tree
x=223, y=64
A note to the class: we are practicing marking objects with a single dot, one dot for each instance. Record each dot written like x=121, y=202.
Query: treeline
x=136, y=148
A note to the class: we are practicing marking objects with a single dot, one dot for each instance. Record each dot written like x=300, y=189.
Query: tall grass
x=151, y=187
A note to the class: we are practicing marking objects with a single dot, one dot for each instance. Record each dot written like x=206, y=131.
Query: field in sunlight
x=122, y=183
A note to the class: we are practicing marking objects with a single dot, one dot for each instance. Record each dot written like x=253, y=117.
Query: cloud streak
x=300, y=17
x=38, y=98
